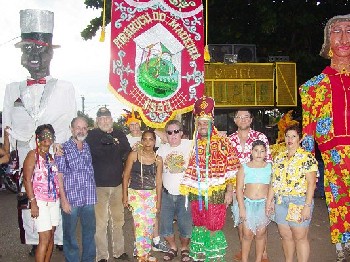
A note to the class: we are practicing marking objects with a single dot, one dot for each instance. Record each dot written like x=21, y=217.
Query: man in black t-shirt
x=108, y=149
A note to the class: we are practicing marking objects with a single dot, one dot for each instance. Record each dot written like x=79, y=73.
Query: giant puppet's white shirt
x=27, y=107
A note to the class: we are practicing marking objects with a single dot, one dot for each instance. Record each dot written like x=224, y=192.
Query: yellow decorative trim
x=185, y=190
x=139, y=109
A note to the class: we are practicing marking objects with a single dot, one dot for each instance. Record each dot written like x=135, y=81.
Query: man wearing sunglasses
x=242, y=140
x=109, y=147
x=175, y=156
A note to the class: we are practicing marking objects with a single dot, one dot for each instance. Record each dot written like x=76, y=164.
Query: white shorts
x=49, y=215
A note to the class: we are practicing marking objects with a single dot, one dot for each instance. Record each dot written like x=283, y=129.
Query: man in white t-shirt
x=175, y=156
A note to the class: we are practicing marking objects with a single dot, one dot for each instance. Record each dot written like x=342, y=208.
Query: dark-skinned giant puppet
x=39, y=99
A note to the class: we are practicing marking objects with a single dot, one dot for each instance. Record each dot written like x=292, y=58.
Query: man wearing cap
x=208, y=184
x=41, y=99
x=109, y=147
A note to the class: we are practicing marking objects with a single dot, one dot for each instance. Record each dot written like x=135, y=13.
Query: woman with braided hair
x=41, y=184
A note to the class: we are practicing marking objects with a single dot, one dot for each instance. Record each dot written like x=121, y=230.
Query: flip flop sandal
x=141, y=259
x=185, y=255
x=170, y=255
x=152, y=259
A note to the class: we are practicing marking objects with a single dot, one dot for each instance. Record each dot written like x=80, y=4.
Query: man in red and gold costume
x=208, y=184
x=326, y=120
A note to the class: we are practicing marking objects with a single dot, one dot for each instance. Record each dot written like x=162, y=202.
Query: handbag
x=22, y=198
x=23, y=201
x=294, y=212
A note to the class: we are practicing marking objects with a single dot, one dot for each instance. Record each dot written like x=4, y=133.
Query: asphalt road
x=321, y=249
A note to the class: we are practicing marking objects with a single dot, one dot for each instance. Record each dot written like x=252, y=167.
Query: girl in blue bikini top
x=252, y=187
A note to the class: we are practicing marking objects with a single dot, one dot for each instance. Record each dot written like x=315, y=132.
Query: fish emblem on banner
x=157, y=64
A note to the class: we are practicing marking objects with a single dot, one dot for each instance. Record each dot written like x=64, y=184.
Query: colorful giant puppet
x=326, y=120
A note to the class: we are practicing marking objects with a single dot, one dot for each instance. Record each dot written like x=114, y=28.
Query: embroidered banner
x=157, y=64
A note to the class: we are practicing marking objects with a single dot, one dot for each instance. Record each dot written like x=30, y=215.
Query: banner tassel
x=103, y=31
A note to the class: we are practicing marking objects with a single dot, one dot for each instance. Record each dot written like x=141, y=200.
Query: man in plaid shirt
x=78, y=193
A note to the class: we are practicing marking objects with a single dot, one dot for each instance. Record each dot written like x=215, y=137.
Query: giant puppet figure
x=208, y=184
x=326, y=120
x=40, y=99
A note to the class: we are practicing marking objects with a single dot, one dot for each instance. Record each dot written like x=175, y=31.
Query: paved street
x=321, y=249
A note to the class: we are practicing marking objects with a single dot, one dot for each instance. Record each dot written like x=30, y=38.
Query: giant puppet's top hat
x=36, y=27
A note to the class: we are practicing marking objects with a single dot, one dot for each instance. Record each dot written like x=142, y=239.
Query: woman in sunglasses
x=142, y=184
x=41, y=184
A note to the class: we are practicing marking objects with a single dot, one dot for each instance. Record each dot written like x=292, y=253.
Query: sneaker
x=347, y=250
x=123, y=257
x=340, y=256
x=161, y=246
x=32, y=251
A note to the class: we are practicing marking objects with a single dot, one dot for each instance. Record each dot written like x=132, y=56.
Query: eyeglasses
x=176, y=131
x=242, y=117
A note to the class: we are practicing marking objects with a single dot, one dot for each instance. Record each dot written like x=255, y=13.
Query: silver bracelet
x=33, y=198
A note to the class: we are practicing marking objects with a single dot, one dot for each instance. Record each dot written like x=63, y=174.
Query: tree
x=91, y=122
x=95, y=24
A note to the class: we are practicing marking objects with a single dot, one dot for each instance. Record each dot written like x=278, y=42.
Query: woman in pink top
x=40, y=181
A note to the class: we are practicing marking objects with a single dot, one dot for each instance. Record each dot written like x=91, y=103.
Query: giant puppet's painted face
x=340, y=39
x=36, y=59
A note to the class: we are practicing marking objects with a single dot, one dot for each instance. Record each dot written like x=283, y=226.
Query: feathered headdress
x=285, y=121
x=131, y=117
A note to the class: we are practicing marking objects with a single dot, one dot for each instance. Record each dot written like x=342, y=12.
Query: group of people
x=93, y=175
x=77, y=180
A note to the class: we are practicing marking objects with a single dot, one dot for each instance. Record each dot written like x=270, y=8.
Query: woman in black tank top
x=142, y=183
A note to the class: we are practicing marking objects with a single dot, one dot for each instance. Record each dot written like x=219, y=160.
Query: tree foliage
x=90, y=121
x=95, y=24
x=291, y=28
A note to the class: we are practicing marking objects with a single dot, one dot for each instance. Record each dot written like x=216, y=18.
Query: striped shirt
x=78, y=174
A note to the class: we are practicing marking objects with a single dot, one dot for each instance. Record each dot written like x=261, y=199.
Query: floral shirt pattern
x=325, y=100
x=244, y=153
x=289, y=175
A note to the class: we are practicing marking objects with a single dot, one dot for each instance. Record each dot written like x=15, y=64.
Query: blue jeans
x=88, y=229
x=175, y=205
